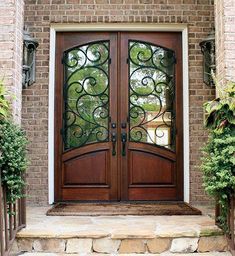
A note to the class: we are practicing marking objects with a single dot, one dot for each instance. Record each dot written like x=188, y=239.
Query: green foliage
x=219, y=154
x=221, y=111
x=218, y=167
x=13, y=161
x=4, y=104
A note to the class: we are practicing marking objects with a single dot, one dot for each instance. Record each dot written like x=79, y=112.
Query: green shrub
x=218, y=162
x=13, y=161
x=4, y=104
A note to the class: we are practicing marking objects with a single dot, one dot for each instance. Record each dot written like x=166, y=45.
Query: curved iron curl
x=75, y=58
x=144, y=84
x=140, y=132
x=68, y=87
x=83, y=68
x=98, y=53
x=157, y=130
x=101, y=133
x=105, y=109
x=161, y=136
x=148, y=67
x=80, y=115
x=141, y=53
x=161, y=90
x=137, y=106
x=93, y=82
x=143, y=110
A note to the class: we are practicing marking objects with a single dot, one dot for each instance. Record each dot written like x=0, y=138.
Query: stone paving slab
x=116, y=227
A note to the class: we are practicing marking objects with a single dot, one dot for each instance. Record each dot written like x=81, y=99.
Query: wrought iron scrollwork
x=151, y=94
x=86, y=94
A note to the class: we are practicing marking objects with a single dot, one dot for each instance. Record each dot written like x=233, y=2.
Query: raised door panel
x=150, y=170
x=88, y=169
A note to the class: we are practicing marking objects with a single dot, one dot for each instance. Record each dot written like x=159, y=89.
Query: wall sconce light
x=29, y=51
x=208, y=51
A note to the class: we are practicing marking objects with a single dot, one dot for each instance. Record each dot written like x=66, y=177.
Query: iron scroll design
x=86, y=94
x=151, y=94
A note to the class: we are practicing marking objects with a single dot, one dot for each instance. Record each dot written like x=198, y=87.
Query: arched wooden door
x=118, y=116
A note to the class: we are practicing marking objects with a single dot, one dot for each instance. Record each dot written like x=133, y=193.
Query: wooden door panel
x=86, y=193
x=155, y=194
x=86, y=94
x=150, y=170
x=151, y=96
x=88, y=169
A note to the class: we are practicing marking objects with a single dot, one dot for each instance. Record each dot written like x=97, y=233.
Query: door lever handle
x=113, y=139
x=123, y=139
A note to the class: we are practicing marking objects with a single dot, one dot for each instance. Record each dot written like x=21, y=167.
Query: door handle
x=113, y=139
x=123, y=139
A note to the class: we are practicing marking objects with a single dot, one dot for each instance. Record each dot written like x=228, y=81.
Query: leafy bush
x=13, y=161
x=221, y=111
x=218, y=162
x=4, y=104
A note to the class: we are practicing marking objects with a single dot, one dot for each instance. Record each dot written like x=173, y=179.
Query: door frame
x=95, y=27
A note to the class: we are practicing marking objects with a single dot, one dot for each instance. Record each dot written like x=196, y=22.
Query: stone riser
x=123, y=246
x=133, y=254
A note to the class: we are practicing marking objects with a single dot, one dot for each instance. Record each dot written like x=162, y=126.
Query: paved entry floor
x=38, y=224
x=122, y=235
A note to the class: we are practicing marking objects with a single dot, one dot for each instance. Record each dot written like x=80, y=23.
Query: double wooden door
x=118, y=116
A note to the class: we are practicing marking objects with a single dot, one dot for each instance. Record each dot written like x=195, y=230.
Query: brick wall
x=219, y=35
x=39, y=14
x=225, y=39
x=11, y=40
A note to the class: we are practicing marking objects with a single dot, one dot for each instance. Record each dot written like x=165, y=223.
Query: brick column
x=225, y=39
x=11, y=40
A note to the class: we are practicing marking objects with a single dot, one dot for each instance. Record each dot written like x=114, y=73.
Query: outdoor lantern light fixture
x=29, y=51
x=208, y=50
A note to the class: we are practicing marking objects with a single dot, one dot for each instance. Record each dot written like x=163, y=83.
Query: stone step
x=159, y=235
x=129, y=245
x=162, y=254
